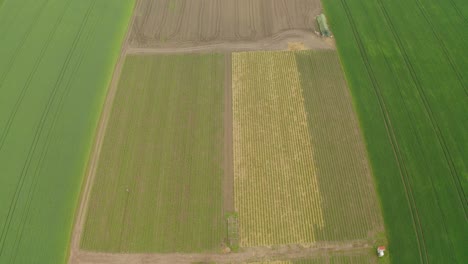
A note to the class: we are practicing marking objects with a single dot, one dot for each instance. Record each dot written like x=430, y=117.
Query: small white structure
x=381, y=251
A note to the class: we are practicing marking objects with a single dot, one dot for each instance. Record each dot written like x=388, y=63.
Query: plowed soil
x=170, y=23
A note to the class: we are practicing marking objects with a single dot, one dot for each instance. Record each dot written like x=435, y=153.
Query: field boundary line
x=19, y=186
x=179, y=23
x=391, y=135
x=88, y=180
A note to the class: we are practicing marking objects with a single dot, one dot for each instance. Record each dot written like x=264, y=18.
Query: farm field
x=169, y=23
x=300, y=167
x=56, y=60
x=160, y=171
x=406, y=65
x=351, y=206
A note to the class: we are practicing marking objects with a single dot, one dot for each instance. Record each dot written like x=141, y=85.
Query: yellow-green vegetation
x=300, y=164
x=350, y=204
x=158, y=186
x=276, y=188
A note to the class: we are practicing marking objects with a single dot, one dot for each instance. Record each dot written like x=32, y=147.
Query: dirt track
x=169, y=23
x=248, y=255
x=80, y=217
x=278, y=41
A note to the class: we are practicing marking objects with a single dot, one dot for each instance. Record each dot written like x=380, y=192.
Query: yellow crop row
x=276, y=191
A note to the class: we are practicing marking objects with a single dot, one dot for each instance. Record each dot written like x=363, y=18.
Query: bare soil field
x=165, y=23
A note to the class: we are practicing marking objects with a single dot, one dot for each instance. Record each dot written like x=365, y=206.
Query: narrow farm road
x=278, y=41
x=95, y=152
x=247, y=255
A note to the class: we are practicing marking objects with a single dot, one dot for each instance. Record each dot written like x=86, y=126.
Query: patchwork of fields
x=160, y=172
x=300, y=166
x=56, y=60
x=405, y=61
x=203, y=150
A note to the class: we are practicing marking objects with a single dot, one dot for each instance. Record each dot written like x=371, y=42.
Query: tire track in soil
x=22, y=42
x=19, y=186
x=391, y=134
x=441, y=44
x=30, y=77
x=276, y=42
x=179, y=21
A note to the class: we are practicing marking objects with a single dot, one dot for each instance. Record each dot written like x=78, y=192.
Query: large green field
x=56, y=60
x=158, y=186
x=405, y=61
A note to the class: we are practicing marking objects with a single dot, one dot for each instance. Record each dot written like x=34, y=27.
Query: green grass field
x=164, y=144
x=57, y=59
x=405, y=61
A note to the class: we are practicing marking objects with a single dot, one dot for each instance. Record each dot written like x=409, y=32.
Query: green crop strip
x=405, y=62
x=57, y=60
x=159, y=174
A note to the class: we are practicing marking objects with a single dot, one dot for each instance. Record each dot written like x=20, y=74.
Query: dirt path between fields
x=278, y=41
x=287, y=252
x=95, y=153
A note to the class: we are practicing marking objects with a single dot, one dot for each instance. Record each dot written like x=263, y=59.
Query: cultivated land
x=349, y=201
x=170, y=23
x=161, y=179
x=56, y=62
x=275, y=182
x=405, y=62
x=300, y=167
x=160, y=170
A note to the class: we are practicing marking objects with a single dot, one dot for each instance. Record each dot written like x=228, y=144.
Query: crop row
x=276, y=188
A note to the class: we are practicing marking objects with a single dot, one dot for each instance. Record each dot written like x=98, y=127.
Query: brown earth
x=166, y=23
x=279, y=41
